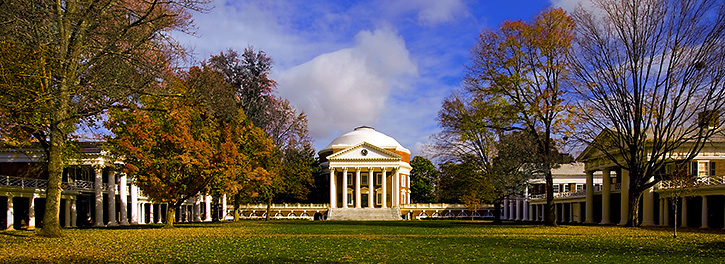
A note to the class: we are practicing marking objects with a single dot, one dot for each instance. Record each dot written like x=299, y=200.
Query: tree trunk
x=549, y=214
x=237, y=197
x=51, y=219
x=269, y=207
x=170, y=216
x=58, y=128
x=632, y=207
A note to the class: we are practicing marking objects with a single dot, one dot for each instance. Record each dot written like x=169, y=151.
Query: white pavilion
x=369, y=175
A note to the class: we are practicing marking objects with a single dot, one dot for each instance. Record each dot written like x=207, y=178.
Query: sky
x=385, y=64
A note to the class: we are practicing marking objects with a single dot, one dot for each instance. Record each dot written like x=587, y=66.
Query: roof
x=364, y=134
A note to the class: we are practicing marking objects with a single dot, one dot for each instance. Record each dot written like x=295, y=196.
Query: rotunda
x=369, y=174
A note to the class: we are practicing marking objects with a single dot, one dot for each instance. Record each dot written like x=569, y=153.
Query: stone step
x=364, y=214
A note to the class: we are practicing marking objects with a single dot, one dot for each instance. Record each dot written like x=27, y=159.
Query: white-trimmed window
x=579, y=187
x=556, y=188
x=378, y=178
x=349, y=199
x=379, y=198
x=693, y=168
x=350, y=177
x=567, y=188
x=364, y=178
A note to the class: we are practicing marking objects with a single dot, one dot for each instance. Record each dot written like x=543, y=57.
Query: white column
x=123, y=196
x=207, y=208
x=112, y=198
x=161, y=219
x=135, y=216
x=357, y=188
x=684, y=212
x=344, y=188
x=333, y=189
x=10, y=214
x=140, y=217
x=31, y=212
x=385, y=187
x=73, y=212
x=531, y=212
x=518, y=208
x=590, y=198
x=224, y=207
x=505, y=209
x=648, y=206
x=67, y=213
x=199, y=200
x=525, y=208
x=98, y=189
x=512, y=210
x=371, y=189
x=624, y=194
x=396, y=187
x=704, y=212
x=606, y=193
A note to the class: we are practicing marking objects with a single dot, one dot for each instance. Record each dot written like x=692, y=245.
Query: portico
x=367, y=169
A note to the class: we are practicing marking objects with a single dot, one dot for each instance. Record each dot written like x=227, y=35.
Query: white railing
x=700, y=182
x=435, y=206
x=285, y=206
x=20, y=182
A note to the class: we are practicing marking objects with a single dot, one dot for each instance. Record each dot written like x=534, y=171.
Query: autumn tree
x=250, y=164
x=423, y=179
x=254, y=92
x=650, y=79
x=174, y=151
x=100, y=54
x=522, y=66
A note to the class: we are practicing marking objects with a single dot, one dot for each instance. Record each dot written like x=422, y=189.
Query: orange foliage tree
x=172, y=148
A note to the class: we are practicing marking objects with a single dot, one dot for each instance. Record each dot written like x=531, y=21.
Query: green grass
x=401, y=242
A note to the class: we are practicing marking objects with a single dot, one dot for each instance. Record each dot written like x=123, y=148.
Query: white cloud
x=440, y=11
x=349, y=87
x=571, y=5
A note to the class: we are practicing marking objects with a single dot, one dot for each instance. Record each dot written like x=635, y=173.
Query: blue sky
x=385, y=64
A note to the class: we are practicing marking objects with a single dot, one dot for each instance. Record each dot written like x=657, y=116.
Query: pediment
x=364, y=151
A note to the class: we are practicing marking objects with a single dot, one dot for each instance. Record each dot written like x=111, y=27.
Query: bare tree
x=650, y=77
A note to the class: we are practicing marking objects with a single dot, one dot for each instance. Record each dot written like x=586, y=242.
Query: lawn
x=401, y=242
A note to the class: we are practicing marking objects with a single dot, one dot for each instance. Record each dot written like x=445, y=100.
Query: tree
x=423, y=179
x=248, y=73
x=464, y=183
x=172, y=152
x=523, y=67
x=100, y=54
x=650, y=80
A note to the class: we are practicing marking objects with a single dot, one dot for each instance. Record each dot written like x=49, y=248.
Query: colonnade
x=383, y=183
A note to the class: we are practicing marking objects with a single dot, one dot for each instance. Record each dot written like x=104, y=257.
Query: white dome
x=365, y=134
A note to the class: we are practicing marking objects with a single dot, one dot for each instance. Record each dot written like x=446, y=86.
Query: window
x=693, y=168
x=350, y=176
x=349, y=199
x=364, y=178
x=379, y=198
x=556, y=188
x=379, y=178
x=402, y=181
x=567, y=188
x=579, y=187
x=712, y=168
x=387, y=198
